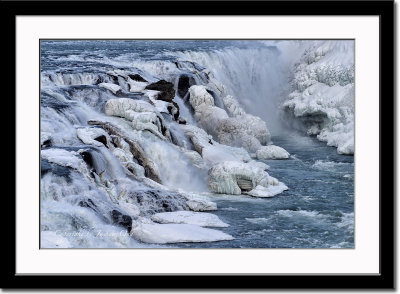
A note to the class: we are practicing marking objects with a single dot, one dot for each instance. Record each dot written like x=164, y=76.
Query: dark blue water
x=316, y=211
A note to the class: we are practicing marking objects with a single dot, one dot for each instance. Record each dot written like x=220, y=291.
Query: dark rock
x=88, y=158
x=137, y=77
x=113, y=78
x=102, y=139
x=184, y=83
x=163, y=128
x=174, y=110
x=122, y=220
x=181, y=121
x=88, y=204
x=58, y=170
x=166, y=89
x=46, y=143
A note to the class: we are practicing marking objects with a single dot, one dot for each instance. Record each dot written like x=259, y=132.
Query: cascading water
x=116, y=152
x=256, y=77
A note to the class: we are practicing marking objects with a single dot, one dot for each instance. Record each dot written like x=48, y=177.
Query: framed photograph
x=176, y=145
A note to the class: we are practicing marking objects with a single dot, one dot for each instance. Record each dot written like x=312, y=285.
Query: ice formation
x=241, y=129
x=272, y=152
x=176, y=233
x=323, y=93
x=232, y=177
x=144, y=116
x=189, y=217
x=112, y=87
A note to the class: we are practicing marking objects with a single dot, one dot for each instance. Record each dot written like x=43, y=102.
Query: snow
x=189, y=217
x=65, y=158
x=136, y=86
x=270, y=191
x=112, y=87
x=272, y=152
x=223, y=179
x=160, y=105
x=88, y=135
x=176, y=233
x=122, y=106
x=199, y=96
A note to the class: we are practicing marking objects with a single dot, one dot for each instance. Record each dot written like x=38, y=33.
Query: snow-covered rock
x=89, y=135
x=240, y=130
x=65, y=158
x=112, y=87
x=176, y=233
x=142, y=114
x=201, y=205
x=44, y=136
x=212, y=152
x=201, y=219
x=272, y=152
x=229, y=176
x=270, y=191
x=323, y=93
x=126, y=158
x=135, y=86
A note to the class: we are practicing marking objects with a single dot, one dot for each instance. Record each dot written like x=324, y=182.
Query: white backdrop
x=362, y=259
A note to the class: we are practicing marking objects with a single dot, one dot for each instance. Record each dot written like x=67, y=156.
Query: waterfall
x=256, y=77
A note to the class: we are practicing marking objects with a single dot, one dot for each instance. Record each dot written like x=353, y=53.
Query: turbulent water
x=110, y=165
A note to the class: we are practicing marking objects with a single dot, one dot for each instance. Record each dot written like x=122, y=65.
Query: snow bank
x=323, y=93
x=189, y=217
x=272, y=152
x=176, y=233
x=236, y=177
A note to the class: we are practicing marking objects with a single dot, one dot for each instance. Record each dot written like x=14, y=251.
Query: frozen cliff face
x=323, y=93
x=232, y=177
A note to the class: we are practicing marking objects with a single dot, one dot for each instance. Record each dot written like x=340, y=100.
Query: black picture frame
x=383, y=9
